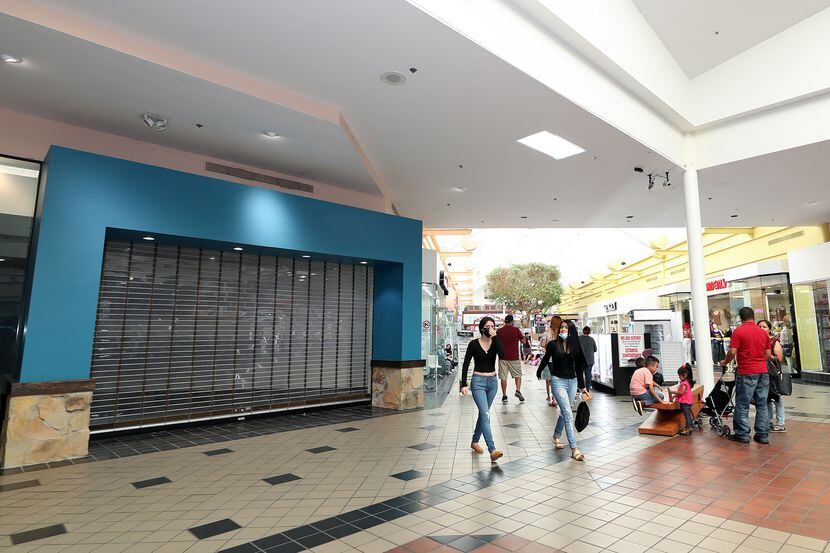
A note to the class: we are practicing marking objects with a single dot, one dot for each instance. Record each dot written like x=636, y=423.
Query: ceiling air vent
x=785, y=238
x=257, y=177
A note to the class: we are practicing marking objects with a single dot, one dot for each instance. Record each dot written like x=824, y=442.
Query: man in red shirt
x=510, y=364
x=751, y=346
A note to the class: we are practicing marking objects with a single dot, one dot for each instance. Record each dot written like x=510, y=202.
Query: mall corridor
x=372, y=480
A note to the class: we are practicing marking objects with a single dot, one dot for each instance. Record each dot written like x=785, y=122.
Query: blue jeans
x=687, y=412
x=648, y=399
x=564, y=390
x=484, y=390
x=779, y=411
x=751, y=388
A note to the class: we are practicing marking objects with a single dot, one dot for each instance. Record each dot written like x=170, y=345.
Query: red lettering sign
x=717, y=284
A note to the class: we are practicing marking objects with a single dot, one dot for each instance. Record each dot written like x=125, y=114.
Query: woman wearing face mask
x=568, y=372
x=484, y=384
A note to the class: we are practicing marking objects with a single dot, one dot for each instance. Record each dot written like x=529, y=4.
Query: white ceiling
x=77, y=82
x=687, y=27
x=464, y=106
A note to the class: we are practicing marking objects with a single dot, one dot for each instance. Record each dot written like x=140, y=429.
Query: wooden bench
x=667, y=418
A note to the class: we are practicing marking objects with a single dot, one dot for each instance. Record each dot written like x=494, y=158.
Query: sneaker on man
x=778, y=428
x=504, y=399
x=638, y=406
x=519, y=395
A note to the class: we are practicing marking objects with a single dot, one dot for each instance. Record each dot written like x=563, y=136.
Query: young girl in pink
x=683, y=396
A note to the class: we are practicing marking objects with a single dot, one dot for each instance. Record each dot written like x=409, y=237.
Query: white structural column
x=700, y=302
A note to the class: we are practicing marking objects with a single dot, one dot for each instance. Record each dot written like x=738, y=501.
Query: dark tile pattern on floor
x=348, y=429
x=429, y=428
x=346, y=524
x=513, y=425
x=410, y=475
x=38, y=534
x=423, y=447
x=281, y=479
x=103, y=446
x=321, y=449
x=19, y=485
x=214, y=528
x=151, y=482
x=214, y=452
x=494, y=543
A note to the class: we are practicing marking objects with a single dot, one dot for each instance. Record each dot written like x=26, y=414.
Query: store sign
x=612, y=306
x=631, y=347
x=716, y=284
x=426, y=325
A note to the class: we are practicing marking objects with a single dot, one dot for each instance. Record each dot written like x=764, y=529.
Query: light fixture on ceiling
x=153, y=121
x=523, y=217
x=393, y=78
x=460, y=188
x=8, y=58
x=270, y=134
x=364, y=262
x=735, y=216
x=237, y=248
x=148, y=238
x=19, y=171
x=811, y=203
x=551, y=144
x=306, y=256
x=2, y=259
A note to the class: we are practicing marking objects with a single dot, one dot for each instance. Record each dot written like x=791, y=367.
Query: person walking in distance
x=751, y=346
x=483, y=386
x=510, y=364
x=589, y=348
x=550, y=334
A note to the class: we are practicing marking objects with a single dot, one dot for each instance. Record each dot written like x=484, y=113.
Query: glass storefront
x=437, y=331
x=812, y=311
x=18, y=193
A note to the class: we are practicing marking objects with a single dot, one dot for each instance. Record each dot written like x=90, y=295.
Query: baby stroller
x=719, y=404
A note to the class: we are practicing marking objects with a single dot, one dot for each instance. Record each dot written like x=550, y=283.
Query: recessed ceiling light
x=271, y=134
x=148, y=238
x=2, y=259
x=306, y=256
x=629, y=216
x=524, y=217
x=551, y=144
x=237, y=248
x=393, y=78
x=8, y=58
x=460, y=188
x=364, y=262
x=810, y=204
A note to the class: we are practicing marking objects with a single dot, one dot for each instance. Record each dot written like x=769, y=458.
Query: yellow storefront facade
x=744, y=267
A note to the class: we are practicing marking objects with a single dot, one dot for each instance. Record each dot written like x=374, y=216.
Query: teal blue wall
x=85, y=194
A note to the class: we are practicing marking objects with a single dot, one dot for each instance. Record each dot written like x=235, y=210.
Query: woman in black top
x=484, y=384
x=568, y=371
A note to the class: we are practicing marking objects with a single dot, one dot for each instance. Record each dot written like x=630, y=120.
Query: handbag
x=583, y=415
x=785, y=385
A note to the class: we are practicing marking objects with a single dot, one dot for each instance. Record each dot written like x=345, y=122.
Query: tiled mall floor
x=410, y=481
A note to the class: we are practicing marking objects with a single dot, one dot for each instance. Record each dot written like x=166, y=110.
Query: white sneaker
x=638, y=406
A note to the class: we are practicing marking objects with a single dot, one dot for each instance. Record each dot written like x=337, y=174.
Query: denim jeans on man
x=648, y=399
x=564, y=390
x=484, y=390
x=751, y=388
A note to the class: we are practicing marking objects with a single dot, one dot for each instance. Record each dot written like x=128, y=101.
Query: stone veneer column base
x=398, y=384
x=46, y=421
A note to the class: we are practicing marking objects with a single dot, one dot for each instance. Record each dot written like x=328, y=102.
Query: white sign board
x=631, y=347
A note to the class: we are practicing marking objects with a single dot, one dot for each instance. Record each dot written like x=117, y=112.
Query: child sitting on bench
x=643, y=390
x=683, y=396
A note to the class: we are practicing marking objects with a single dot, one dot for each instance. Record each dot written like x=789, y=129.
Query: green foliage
x=527, y=288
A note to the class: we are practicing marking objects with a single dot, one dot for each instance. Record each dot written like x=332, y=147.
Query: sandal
x=557, y=443
x=577, y=455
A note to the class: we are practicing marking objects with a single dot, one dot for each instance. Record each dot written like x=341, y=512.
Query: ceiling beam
x=729, y=230
x=448, y=232
x=456, y=254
